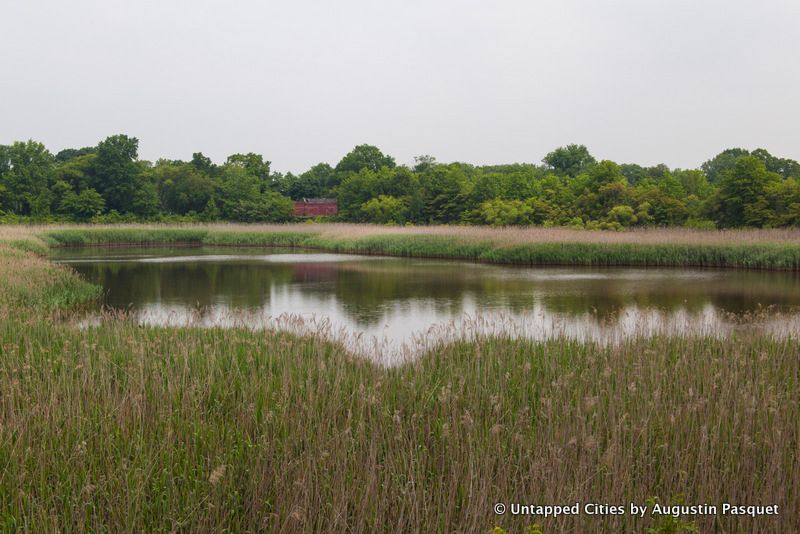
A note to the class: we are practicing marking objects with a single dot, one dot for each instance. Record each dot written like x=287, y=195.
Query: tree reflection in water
x=397, y=298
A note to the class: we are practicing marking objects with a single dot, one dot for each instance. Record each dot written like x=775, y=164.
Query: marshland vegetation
x=754, y=249
x=120, y=427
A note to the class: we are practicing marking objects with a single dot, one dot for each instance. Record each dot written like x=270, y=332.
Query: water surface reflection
x=400, y=300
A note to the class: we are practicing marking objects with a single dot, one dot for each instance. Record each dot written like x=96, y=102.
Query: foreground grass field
x=123, y=428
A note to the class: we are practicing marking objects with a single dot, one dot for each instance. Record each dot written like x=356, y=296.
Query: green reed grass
x=123, y=428
x=779, y=255
x=122, y=235
x=29, y=283
x=749, y=256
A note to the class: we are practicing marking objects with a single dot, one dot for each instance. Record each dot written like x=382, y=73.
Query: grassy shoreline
x=653, y=249
x=125, y=428
x=119, y=427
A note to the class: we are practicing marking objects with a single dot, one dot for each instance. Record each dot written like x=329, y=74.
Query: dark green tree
x=364, y=157
x=77, y=171
x=71, y=153
x=722, y=162
x=203, y=164
x=355, y=190
x=115, y=173
x=145, y=201
x=318, y=181
x=444, y=194
x=423, y=163
x=237, y=186
x=26, y=174
x=571, y=160
x=783, y=166
x=784, y=199
x=210, y=212
x=82, y=206
x=742, y=197
x=183, y=187
x=255, y=165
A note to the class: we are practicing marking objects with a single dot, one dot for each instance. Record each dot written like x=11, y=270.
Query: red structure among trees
x=311, y=207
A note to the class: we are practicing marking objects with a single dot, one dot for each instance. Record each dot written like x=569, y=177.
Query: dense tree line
x=109, y=183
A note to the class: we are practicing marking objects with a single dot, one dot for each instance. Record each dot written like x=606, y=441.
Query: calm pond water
x=392, y=301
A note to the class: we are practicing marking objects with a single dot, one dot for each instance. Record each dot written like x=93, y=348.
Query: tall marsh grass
x=750, y=249
x=124, y=428
x=29, y=282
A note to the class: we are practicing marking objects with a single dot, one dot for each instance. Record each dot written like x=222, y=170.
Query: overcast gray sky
x=303, y=81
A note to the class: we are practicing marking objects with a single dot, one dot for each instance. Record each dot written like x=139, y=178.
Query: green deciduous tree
x=183, y=187
x=210, y=212
x=741, y=200
x=444, y=194
x=26, y=174
x=266, y=207
x=722, y=162
x=735, y=188
x=255, y=165
x=364, y=157
x=115, y=173
x=82, y=206
x=784, y=201
x=570, y=160
x=783, y=166
x=145, y=201
x=498, y=212
x=77, y=171
x=237, y=186
x=203, y=164
x=694, y=182
x=71, y=153
x=423, y=163
x=316, y=182
x=386, y=209
x=623, y=215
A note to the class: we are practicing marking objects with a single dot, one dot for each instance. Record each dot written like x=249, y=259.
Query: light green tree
x=385, y=209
